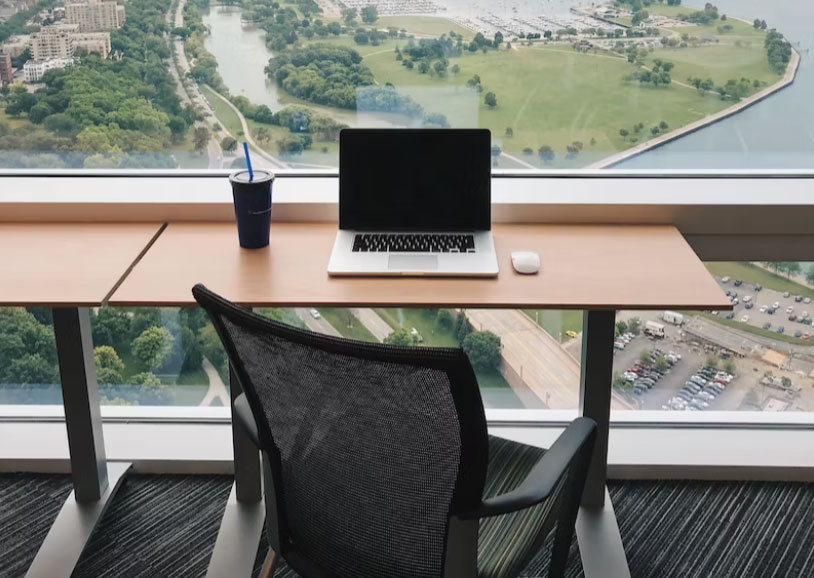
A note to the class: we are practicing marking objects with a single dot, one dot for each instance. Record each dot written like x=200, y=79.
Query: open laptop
x=414, y=202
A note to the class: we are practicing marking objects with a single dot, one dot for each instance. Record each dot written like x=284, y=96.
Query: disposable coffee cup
x=252, y=207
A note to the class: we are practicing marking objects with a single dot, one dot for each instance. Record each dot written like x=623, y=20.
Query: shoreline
x=787, y=80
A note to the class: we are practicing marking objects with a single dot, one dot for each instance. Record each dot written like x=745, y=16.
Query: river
x=777, y=133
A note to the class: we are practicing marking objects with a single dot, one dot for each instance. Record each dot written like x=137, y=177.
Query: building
x=95, y=15
x=98, y=42
x=53, y=42
x=33, y=70
x=16, y=45
x=6, y=71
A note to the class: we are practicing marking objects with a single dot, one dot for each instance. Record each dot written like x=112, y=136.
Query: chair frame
x=569, y=456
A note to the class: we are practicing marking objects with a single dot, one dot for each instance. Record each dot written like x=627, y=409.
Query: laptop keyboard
x=413, y=243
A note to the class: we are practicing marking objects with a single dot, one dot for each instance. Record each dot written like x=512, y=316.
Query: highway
x=545, y=367
x=317, y=325
x=372, y=322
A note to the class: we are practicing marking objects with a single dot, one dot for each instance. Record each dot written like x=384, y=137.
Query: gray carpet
x=29, y=504
x=165, y=526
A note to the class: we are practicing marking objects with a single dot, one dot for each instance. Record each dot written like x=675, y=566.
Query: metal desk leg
x=242, y=522
x=600, y=543
x=95, y=482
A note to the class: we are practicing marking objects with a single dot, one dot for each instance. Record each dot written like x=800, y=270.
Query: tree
x=729, y=367
x=498, y=39
x=31, y=368
x=490, y=100
x=483, y=350
x=712, y=361
x=810, y=275
x=546, y=153
x=200, y=138
x=792, y=268
x=263, y=135
x=634, y=325
x=663, y=125
x=644, y=356
x=455, y=69
x=444, y=319
x=621, y=327
x=153, y=346
x=462, y=327
x=661, y=363
x=228, y=144
x=423, y=67
x=401, y=337
x=109, y=366
x=348, y=14
x=369, y=14
x=623, y=132
x=145, y=378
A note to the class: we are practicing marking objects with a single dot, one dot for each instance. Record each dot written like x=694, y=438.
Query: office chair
x=377, y=462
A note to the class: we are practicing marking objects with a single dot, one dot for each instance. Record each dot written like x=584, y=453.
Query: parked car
x=758, y=288
x=786, y=294
x=730, y=315
x=781, y=329
x=807, y=300
x=805, y=336
x=750, y=305
x=735, y=301
x=776, y=305
x=798, y=334
x=571, y=334
x=314, y=313
x=789, y=309
x=745, y=319
x=798, y=298
x=698, y=379
x=738, y=282
x=763, y=308
x=724, y=279
x=767, y=325
x=792, y=317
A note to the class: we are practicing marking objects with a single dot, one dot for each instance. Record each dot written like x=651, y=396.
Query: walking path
x=373, y=322
x=217, y=389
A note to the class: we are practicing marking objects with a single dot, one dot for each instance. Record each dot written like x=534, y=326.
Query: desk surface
x=583, y=267
x=67, y=264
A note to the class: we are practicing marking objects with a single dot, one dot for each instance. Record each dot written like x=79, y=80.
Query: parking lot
x=765, y=299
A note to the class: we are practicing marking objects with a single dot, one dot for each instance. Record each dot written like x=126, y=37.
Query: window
x=153, y=84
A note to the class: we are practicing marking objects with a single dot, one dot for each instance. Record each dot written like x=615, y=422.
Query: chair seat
x=507, y=543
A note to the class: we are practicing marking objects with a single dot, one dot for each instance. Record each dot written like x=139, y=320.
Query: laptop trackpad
x=413, y=262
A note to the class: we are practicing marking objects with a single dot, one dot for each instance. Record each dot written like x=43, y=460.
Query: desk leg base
x=600, y=543
x=238, y=539
x=70, y=532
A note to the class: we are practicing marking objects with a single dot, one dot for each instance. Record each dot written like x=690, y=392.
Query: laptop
x=414, y=202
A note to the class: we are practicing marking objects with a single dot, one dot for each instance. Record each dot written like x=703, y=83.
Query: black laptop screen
x=414, y=179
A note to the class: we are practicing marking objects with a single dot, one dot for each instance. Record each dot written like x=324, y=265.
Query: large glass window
x=562, y=84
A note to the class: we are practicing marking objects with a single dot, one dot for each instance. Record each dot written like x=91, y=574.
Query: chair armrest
x=243, y=414
x=542, y=479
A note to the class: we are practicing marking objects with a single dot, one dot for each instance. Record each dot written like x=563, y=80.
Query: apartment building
x=34, y=70
x=53, y=42
x=95, y=15
x=6, y=71
x=98, y=42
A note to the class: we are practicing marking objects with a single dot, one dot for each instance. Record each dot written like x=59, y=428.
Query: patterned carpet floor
x=166, y=526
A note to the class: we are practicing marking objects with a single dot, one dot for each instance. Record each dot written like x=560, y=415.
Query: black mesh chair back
x=371, y=448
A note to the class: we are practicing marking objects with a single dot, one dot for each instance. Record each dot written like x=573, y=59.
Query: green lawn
x=556, y=323
x=225, y=115
x=424, y=321
x=195, y=376
x=346, y=323
x=13, y=122
x=752, y=275
x=548, y=95
x=423, y=25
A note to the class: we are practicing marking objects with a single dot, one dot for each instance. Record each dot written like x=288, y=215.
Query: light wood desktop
x=583, y=267
x=67, y=264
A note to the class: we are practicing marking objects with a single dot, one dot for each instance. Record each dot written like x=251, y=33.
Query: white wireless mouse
x=525, y=262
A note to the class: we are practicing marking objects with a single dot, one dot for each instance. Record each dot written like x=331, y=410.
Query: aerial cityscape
x=181, y=83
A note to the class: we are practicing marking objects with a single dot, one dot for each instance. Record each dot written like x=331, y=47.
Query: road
x=373, y=323
x=213, y=149
x=317, y=325
x=548, y=371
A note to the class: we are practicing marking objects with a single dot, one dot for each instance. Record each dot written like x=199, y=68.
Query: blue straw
x=248, y=161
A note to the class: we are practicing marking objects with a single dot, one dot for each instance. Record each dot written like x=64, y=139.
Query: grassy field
x=423, y=25
x=556, y=323
x=340, y=319
x=752, y=274
x=13, y=122
x=424, y=321
x=226, y=116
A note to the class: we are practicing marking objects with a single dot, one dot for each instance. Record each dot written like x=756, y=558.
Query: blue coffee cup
x=252, y=199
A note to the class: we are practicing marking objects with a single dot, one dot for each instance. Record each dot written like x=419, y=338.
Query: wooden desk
x=583, y=267
x=67, y=264
x=595, y=268
x=71, y=267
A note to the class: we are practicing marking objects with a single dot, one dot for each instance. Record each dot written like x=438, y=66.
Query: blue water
x=777, y=133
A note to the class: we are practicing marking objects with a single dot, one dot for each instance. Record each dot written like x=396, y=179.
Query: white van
x=673, y=317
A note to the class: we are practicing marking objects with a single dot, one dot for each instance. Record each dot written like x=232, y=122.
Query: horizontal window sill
x=657, y=452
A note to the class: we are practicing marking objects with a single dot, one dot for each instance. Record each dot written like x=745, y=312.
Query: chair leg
x=562, y=544
x=268, y=564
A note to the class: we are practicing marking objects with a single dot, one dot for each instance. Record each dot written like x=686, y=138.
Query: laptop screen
x=415, y=179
